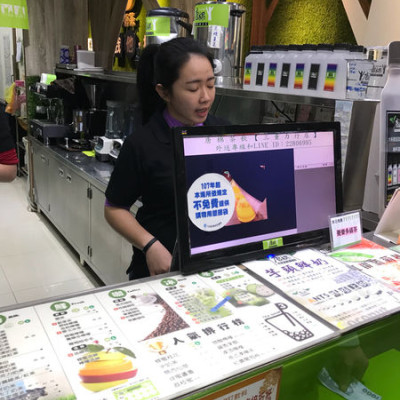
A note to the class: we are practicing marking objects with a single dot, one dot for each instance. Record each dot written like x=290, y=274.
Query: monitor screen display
x=246, y=190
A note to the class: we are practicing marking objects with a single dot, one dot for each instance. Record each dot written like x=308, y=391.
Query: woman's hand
x=158, y=259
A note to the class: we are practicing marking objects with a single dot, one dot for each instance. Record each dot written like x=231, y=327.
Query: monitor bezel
x=188, y=263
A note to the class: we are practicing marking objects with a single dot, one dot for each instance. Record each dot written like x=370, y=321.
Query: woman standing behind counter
x=176, y=88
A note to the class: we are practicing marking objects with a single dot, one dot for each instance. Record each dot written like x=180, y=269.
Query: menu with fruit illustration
x=29, y=368
x=172, y=335
x=374, y=260
x=341, y=295
x=97, y=357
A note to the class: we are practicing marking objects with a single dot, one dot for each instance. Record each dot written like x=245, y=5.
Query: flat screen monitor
x=246, y=191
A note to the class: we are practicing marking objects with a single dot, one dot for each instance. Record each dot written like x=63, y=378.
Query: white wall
x=357, y=19
x=382, y=25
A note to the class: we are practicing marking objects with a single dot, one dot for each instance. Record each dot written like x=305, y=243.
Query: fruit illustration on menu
x=106, y=368
x=247, y=208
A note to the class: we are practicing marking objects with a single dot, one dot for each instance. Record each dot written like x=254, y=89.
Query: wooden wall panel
x=106, y=19
x=185, y=5
x=53, y=23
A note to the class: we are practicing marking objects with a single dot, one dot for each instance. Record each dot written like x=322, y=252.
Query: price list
x=97, y=357
x=342, y=296
x=193, y=299
x=376, y=261
x=266, y=311
x=29, y=368
x=140, y=312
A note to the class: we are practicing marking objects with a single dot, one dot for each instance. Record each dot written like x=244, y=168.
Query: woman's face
x=193, y=93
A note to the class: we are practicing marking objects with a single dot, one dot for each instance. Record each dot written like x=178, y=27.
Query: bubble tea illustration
x=287, y=324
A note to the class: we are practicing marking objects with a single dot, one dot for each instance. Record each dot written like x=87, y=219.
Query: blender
x=113, y=131
x=95, y=115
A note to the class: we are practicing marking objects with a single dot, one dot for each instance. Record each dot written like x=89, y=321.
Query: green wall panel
x=309, y=21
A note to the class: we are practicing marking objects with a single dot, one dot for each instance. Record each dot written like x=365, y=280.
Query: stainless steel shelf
x=233, y=91
x=286, y=98
x=124, y=77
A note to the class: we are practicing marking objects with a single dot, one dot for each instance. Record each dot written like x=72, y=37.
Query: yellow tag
x=89, y=153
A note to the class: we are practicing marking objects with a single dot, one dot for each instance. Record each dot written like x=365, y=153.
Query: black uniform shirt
x=145, y=169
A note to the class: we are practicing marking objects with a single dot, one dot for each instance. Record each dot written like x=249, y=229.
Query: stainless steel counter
x=69, y=189
x=95, y=172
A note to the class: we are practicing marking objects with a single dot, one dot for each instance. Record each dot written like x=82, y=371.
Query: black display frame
x=189, y=264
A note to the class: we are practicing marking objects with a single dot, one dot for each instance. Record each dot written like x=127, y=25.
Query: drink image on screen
x=289, y=325
x=247, y=208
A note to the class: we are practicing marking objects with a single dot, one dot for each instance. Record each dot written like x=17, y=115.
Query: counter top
x=96, y=172
x=175, y=336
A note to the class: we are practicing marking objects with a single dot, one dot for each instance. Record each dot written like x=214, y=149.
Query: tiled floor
x=35, y=262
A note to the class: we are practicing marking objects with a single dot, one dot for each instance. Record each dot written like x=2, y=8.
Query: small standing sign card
x=345, y=229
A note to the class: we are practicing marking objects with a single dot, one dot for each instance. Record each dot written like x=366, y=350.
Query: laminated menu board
x=341, y=295
x=153, y=340
x=212, y=324
x=29, y=368
x=99, y=360
x=374, y=260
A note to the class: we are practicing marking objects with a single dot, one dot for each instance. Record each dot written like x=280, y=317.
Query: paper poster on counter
x=341, y=295
x=29, y=368
x=374, y=260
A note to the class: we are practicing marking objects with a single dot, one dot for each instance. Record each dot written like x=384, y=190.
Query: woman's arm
x=8, y=172
x=158, y=258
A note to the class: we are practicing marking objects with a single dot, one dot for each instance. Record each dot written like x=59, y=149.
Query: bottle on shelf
x=336, y=72
x=398, y=174
x=378, y=76
x=358, y=73
x=324, y=54
x=296, y=76
x=390, y=175
x=311, y=70
x=252, y=63
x=282, y=69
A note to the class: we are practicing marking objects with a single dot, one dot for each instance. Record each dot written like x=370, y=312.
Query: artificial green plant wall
x=309, y=21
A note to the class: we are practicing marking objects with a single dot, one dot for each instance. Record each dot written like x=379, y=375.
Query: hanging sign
x=14, y=14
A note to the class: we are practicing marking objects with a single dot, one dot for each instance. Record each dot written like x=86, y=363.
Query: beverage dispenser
x=166, y=23
x=220, y=26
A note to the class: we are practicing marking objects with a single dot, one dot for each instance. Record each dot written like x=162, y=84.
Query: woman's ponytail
x=149, y=100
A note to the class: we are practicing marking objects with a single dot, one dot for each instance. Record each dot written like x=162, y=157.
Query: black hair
x=160, y=64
